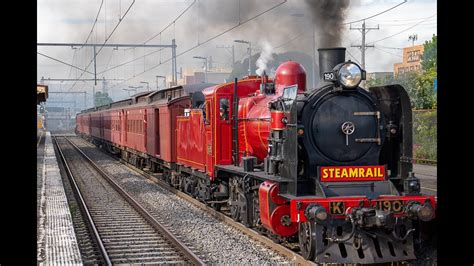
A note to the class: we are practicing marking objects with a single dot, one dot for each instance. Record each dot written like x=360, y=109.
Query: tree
x=419, y=85
x=430, y=54
x=101, y=99
x=379, y=81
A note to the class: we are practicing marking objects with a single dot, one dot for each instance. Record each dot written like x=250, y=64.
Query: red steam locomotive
x=329, y=168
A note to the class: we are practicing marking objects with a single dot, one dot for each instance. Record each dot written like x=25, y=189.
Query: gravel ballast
x=219, y=242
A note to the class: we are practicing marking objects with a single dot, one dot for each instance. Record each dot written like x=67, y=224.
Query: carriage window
x=207, y=113
x=224, y=109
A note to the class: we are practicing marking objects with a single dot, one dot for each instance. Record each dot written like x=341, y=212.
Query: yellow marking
x=353, y=172
x=344, y=172
x=200, y=164
x=325, y=173
x=37, y=145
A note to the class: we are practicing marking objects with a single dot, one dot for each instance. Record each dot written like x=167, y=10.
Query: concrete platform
x=56, y=240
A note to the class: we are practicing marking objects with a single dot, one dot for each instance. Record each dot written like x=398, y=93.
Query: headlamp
x=349, y=75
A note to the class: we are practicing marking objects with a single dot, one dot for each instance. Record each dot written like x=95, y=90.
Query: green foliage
x=101, y=99
x=430, y=54
x=380, y=81
x=419, y=87
x=425, y=135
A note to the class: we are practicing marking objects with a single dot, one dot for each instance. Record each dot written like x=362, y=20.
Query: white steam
x=265, y=56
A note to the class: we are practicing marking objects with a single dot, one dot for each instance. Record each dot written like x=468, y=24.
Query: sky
x=287, y=27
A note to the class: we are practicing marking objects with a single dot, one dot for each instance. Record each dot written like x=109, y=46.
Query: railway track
x=287, y=252
x=292, y=255
x=123, y=230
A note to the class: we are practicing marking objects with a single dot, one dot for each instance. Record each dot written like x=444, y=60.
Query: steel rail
x=83, y=205
x=148, y=217
x=295, y=257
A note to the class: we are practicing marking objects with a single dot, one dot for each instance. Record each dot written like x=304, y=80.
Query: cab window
x=224, y=109
x=207, y=113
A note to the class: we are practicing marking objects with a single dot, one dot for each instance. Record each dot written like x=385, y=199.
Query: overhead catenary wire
x=399, y=20
x=208, y=40
x=433, y=23
x=158, y=34
x=353, y=57
x=380, y=13
x=62, y=62
x=171, y=23
x=409, y=28
x=388, y=47
x=380, y=49
x=102, y=46
x=291, y=40
x=95, y=22
x=73, y=59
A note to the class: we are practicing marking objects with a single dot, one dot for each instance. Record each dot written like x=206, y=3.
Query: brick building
x=411, y=60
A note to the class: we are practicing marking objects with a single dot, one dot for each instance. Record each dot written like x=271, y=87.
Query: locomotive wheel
x=307, y=239
x=236, y=208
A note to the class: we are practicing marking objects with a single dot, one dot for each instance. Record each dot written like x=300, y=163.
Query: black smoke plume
x=328, y=16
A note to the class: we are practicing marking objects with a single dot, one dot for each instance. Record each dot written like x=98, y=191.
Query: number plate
x=395, y=206
x=336, y=207
x=329, y=76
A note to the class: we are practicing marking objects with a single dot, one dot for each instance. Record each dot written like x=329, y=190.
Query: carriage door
x=125, y=127
x=156, y=133
x=224, y=135
x=209, y=149
x=102, y=124
x=120, y=126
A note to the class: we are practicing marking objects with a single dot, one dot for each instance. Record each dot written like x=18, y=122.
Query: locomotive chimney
x=329, y=58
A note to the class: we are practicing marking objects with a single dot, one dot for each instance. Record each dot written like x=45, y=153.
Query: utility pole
x=95, y=68
x=249, y=50
x=233, y=54
x=147, y=85
x=173, y=63
x=363, y=46
x=163, y=77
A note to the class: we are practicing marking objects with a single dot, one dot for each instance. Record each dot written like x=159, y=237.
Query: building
x=411, y=60
x=379, y=75
x=212, y=77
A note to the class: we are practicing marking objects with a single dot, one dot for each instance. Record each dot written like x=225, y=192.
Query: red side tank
x=254, y=114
